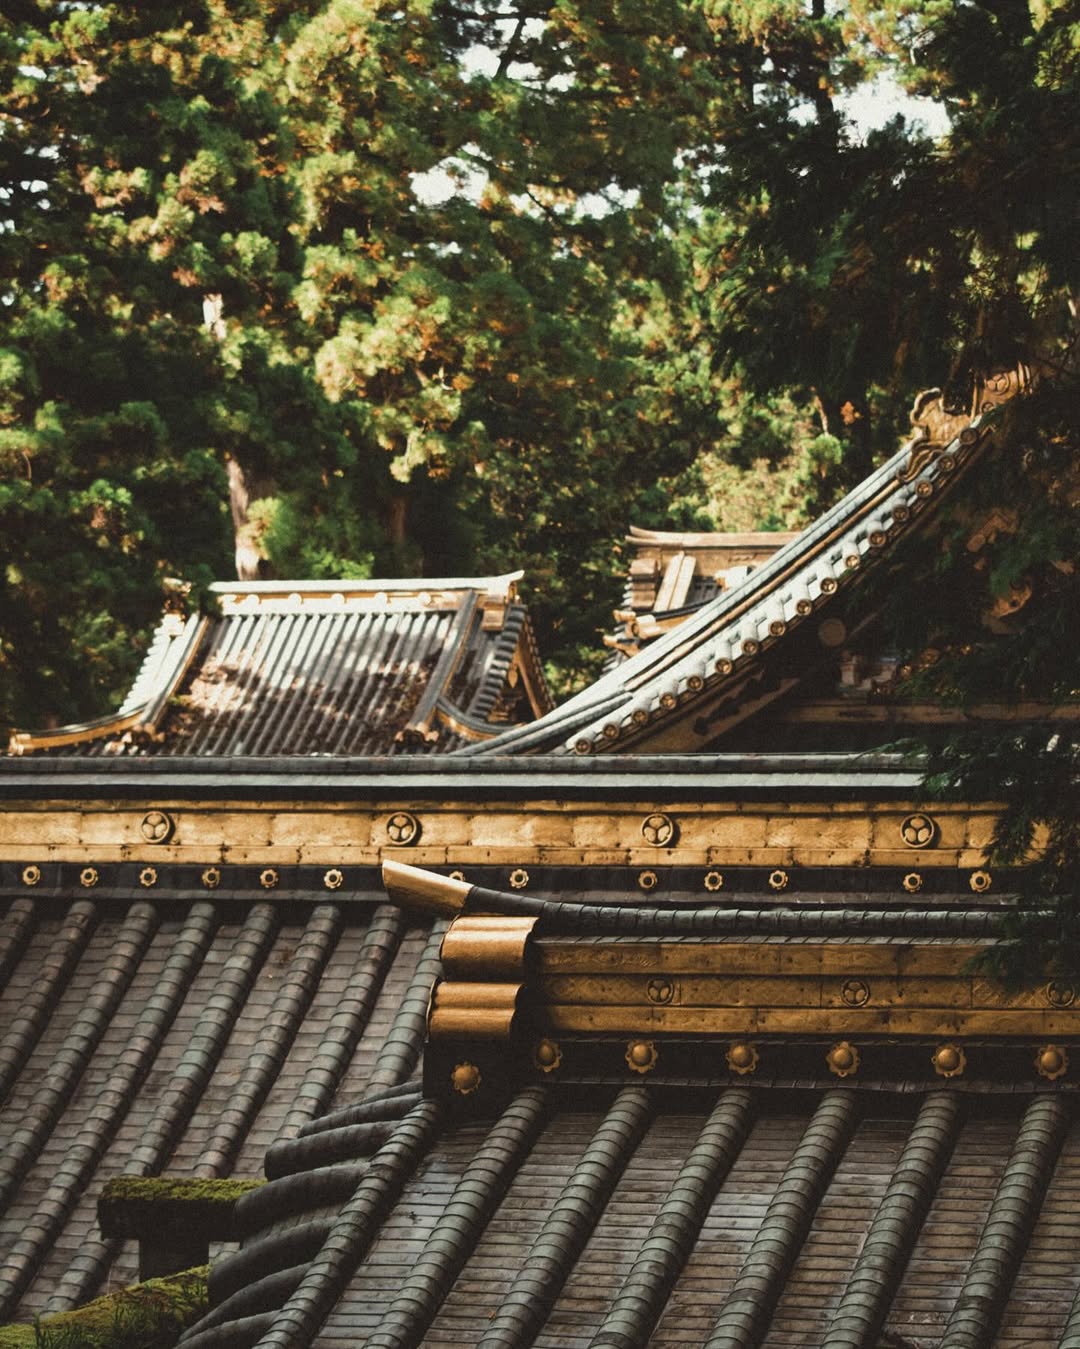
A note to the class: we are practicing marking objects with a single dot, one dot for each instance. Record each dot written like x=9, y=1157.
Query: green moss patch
x=149, y=1315
x=145, y=1206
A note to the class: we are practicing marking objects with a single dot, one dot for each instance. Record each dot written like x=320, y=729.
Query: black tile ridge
x=748, y=1308
x=102, y=1122
x=1009, y=1224
x=569, y=1223
x=346, y=1143
x=56, y=1085
x=18, y=924
x=39, y=1000
x=387, y=1105
x=874, y=1282
x=570, y=918
x=350, y=1018
x=459, y=1228
x=352, y=1231
x=278, y=1249
x=677, y=1226
x=400, y=1051
x=293, y=1196
x=192, y=1073
x=248, y=1313
x=276, y=1035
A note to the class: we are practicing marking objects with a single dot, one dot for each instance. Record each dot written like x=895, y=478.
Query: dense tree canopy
x=349, y=287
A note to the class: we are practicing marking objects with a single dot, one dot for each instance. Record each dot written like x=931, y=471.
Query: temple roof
x=329, y=668
x=707, y=673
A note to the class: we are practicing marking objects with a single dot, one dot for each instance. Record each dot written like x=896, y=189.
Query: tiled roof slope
x=338, y=668
x=628, y=1216
x=717, y=653
x=141, y=1035
x=600, y=1209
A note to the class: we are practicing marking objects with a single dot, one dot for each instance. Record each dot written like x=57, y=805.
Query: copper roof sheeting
x=141, y=1036
x=328, y=668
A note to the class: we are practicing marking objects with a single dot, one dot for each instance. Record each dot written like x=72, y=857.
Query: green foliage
x=150, y=1315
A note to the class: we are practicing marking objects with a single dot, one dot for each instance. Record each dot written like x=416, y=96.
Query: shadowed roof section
x=327, y=668
x=707, y=672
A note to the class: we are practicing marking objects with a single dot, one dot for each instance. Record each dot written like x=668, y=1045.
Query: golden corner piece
x=424, y=891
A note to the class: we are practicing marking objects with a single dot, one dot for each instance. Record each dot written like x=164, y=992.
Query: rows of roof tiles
x=138, y=1037
x=824, y=1218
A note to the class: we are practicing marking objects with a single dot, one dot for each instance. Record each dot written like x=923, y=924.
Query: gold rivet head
x=658, y=830
x=333, y=879
x=742, y=1057
x=778, y=880
x=912, y=882
x=610, y=731
x=980, y=881
x=211, y=878
x=924, y=488
x=148, y=877
x=519, y=879
x=843, y=1059
x=878, y=538
x=829, y=585
x=724, y=666
x=465, y=1078
x=695, y=683
x=851, y=561
x=641, y=1055
x=156, y=826
x=457, y=875
x=714, y=881
x=1051, y=1062
x=268, y=878
x=547, y=1056
x=639, y=716
x=919, y=831
x=402, y=829
x=751, y=646
x=855, y=992
x=31, y=875
x=660, y=991
x=1059, y=994
x=948, y=1060
x=647, y=880
x=88, y=877
x=583, y=746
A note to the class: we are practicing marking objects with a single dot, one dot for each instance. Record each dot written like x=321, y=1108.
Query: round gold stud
x=156, y=826
x=724, y=666
x=660, y=991
x=465, y=1078
x=31, y=875
x=829, y=585
x=751, y=646
x=519, y=878
x=878, y=538
x=610, y=731
x=804, y=606
x=948, y=1060
x=714, y=880
x=148, y=877
x=88, y=877
x=641, y=1055
x=912, y=882
x=1060, y=994
x=901, y=514
x=851, y=561
x=402, y=828
x=658, y=830
x=924, y=489
x=695, y=683
x=457, y=875
x=980, y=881
x=647, y=880
x=778, y=880
x=582, y=746
x=946, y=463
x=639, y=716
x=742, y=1057
x=547, y=1056
x=843, y=1059
x=777, y=627
x=268, y=878
x=918, y=831
x=211, y=878
x=333, y=879
x=1051, y=1062
x=668, y=701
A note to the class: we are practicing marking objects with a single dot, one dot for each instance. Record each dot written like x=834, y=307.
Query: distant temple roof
x=325, y=667
x=707, y=672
